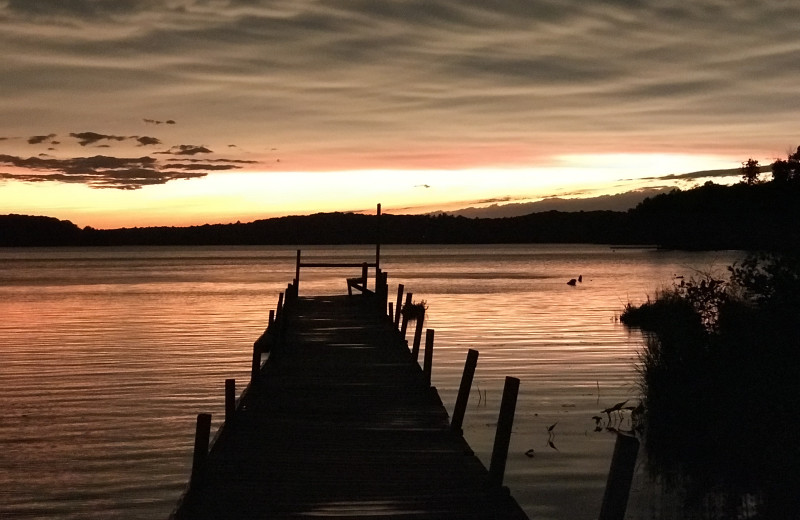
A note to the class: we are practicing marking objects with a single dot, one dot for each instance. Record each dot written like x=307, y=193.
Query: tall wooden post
x=502, y=437
x=399, y=308
x=279, y=308
x=427, y=360
x=383, y=291
x=297, y=269
x=201, y=436
x=418, y=335
x=404, y=328
x=255, y=369
x=365, y=278
x=460, y=407
x=230, y=402
x=391, y=310
x=620, y=477
x=377, y=248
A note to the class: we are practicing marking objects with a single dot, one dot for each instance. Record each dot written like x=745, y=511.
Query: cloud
x=37, y=139
x=114, y=169
x=186, y=149
x=207, y=161
x=91, y=138
x=704, y=174
x=77, y=8
x=145, y=141
x=100, y=171
x=85, y=138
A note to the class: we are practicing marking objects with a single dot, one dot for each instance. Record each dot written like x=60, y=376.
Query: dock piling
x=460, y=407
x=404, y=327
x=418, y=335
x=230, y=402
x=620, y=476
x=297, y=269
x=201, y=437
x=427, y=362
x=400, y=288
x=256, y=366
x=279, y=308
x=502, y=438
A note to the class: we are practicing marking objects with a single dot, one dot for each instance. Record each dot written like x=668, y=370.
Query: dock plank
x=342, y=424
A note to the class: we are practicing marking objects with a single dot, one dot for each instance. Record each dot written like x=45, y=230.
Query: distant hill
x=24, y=230
x=617, y=202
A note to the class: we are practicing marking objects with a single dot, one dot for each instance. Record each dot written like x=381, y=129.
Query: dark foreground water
x=107, y=355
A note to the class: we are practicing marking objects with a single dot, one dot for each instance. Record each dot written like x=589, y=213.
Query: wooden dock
x=340, y=422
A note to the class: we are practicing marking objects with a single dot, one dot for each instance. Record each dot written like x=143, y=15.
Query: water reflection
x=108, y=355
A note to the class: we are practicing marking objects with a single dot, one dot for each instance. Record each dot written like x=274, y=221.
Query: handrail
x=322, y=264
x=376, y=264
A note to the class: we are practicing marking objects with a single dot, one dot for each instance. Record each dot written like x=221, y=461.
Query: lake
x=108, y=354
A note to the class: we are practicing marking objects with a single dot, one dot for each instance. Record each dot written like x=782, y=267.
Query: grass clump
x=414, y=311
x=720, y=379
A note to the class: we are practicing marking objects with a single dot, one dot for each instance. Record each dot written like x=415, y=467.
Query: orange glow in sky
x=246, y=196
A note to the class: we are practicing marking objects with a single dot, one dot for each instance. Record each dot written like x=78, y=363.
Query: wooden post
x=364, y=275
x=256, y=367
x=463, y=391
x=279, y=308
x=297, y=268
x=427, y=360
x=391, y=310
x=201, y=437
x=400, y=288
x=377, y=246
x=404, y=328
x=284, y=310
x=418, y=336
x=230, y=402
x=502, y=437
x=620, y=476
x=271, y=318
x=382, y=290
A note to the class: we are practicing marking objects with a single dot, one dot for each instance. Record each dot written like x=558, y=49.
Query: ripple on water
x=108, y=355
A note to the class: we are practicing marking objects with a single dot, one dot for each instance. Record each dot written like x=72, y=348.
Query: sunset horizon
x=124, y=114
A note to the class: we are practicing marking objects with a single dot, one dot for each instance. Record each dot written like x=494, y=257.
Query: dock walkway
x=341, y=422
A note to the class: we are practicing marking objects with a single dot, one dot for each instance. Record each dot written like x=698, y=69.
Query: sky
x=122, y=113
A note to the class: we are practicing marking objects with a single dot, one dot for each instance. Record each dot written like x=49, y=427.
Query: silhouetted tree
x=750, y=171
x=788, y=170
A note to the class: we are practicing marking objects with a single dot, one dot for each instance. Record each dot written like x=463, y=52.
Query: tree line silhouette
x=751, y=215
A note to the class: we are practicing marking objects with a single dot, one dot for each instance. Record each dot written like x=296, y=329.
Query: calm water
x=107, y=355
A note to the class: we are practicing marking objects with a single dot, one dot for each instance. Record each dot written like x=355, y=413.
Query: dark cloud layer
x=429, y=83
x=99, y=171
x=103, y=171
x=76, y=8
